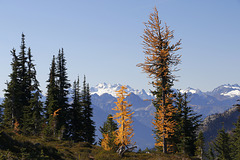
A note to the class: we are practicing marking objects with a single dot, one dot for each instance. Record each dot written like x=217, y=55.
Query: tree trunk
x=164, y=104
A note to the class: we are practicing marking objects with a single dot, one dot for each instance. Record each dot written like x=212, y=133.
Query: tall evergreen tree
x=63, y=85
x=33, y=113
x=88, y=124
x=19, y=93
x=222, y=145
x=51, y=103
x=76, y=114
x=25, y=93
x=11, y=103
x=160, y=62
x=200, y=145
x=108, y=133
x=188, y=123
x=210, y=154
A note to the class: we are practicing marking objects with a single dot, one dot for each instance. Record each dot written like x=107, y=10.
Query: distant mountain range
x=103, y=88
x=219, y=100
x=205, y=103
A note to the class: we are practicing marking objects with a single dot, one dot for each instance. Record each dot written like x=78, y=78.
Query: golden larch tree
x=105, y=142
x=123, y=116
x=160, y=61
x=164, y=123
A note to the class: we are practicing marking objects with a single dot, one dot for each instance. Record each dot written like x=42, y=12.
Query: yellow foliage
x=160, y=58
x=123, y=118
x=105, y=142
x=55, y=112
x=16, y=129
x=164, y=123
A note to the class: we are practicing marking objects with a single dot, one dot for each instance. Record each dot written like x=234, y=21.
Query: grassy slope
x=14, y=146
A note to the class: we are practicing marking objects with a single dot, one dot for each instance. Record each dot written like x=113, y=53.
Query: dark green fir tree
x=76, y=114
x=63, y=85
x=222, y=145
x=11, y=104
x=210, y=154
x=88, y=124
x=25, y=93
x=200, y=145
x=32, y=120
x=20, y=91
x=15, y=94
x=108, y=129
x=188, y=123
x=51, y=104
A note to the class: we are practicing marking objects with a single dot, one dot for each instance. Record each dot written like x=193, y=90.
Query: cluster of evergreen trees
x=24, y=110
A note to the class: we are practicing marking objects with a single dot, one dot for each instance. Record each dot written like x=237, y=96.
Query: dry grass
x=14, y=146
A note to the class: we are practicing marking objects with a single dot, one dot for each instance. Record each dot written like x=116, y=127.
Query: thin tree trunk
x=164, y=130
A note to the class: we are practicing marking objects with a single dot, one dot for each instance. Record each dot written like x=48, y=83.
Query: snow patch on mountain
x=191, y=90
x=103, y=88
x=227, y=90
x=235, y=86
x=232, y=93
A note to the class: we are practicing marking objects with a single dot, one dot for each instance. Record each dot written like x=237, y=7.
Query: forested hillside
x=215, y=122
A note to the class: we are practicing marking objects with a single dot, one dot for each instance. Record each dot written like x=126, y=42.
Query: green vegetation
x=16, y=146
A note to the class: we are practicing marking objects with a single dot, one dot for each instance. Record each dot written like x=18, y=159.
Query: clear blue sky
x=101, y=38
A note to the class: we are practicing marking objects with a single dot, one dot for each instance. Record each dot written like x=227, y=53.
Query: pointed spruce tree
x=88, y=124
x=76, y=114
x=32, y=118
x=200, y=146
x=51, y=103
x=20, y=90
x=63, y=85
x=210, y=154
x=11, y=103
x=222, y=145
x=160, y=61
x=25, y=93
x=187, y=126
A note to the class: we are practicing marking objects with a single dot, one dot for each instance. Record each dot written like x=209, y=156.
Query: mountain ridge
x=226, y=90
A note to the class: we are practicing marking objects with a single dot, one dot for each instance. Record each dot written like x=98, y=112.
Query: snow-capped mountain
x=227, y=90
x=190, y=90
x=103, y=88
x=205, y=103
